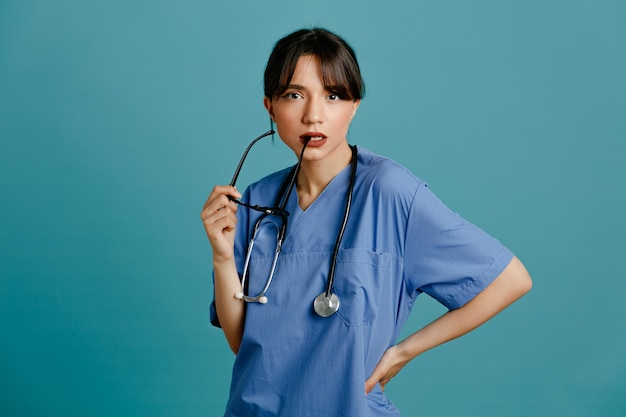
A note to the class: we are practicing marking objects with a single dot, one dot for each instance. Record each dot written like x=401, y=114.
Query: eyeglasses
x=278, y=212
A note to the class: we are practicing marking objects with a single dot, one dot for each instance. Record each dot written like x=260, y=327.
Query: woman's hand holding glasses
x=219, y=218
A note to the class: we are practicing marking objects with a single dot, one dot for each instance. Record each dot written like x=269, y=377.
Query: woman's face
x=308, y=109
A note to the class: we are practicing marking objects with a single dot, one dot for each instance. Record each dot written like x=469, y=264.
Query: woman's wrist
x=223, y=261
x=225, y=268
x=406, y=350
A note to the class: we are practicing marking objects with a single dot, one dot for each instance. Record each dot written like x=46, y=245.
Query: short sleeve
x=447, y=257
x=213, y=312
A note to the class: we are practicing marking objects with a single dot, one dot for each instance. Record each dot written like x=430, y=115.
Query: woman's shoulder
x=269, y=184
x=386, y=175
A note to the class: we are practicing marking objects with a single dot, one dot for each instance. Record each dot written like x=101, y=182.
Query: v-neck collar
x=338, y=185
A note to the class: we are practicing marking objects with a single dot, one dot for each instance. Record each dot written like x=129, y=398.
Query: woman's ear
x=355, y=106
x=267, y=102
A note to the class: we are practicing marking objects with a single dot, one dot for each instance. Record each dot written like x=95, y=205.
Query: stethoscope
x=327, y=303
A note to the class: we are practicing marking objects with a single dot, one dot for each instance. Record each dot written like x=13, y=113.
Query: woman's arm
x=510, y=285
x=219, y=218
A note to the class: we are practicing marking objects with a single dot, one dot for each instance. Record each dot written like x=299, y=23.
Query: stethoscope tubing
x=333, y=262
x=280, y=238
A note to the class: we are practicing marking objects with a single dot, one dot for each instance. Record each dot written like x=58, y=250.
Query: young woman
x=314, y=319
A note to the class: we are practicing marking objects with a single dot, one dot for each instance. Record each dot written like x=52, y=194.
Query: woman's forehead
x=310, y=68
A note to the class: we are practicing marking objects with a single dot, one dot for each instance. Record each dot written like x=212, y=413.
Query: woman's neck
x=314, y=176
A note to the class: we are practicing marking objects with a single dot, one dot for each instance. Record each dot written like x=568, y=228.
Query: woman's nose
x=313, y=112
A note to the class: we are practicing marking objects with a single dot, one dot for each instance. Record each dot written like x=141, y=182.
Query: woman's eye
x=333, y=97
x=292, y=96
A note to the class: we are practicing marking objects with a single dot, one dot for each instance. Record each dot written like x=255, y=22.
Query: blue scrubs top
x=400, y=241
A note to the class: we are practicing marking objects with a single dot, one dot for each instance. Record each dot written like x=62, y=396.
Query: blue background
x=118, y=117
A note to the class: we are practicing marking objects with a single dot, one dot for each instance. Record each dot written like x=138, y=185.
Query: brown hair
x=340, y=70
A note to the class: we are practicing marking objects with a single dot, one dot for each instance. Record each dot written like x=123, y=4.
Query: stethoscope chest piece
x=326, y=306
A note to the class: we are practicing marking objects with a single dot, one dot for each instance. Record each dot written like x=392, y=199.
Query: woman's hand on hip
x=390, y=364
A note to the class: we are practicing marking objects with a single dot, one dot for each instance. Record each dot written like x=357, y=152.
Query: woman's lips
x=313, y=137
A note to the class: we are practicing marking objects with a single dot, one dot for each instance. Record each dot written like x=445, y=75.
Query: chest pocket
x=359, y=281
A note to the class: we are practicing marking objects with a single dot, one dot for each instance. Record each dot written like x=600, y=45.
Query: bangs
x=340, y=71
x=336, y=79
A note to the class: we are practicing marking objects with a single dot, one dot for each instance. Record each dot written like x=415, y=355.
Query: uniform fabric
x=400, y=241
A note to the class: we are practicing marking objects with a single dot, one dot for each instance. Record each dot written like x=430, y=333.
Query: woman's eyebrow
x=299, y=87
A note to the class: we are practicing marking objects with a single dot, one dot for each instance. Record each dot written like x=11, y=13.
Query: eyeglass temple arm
x=243, y=158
